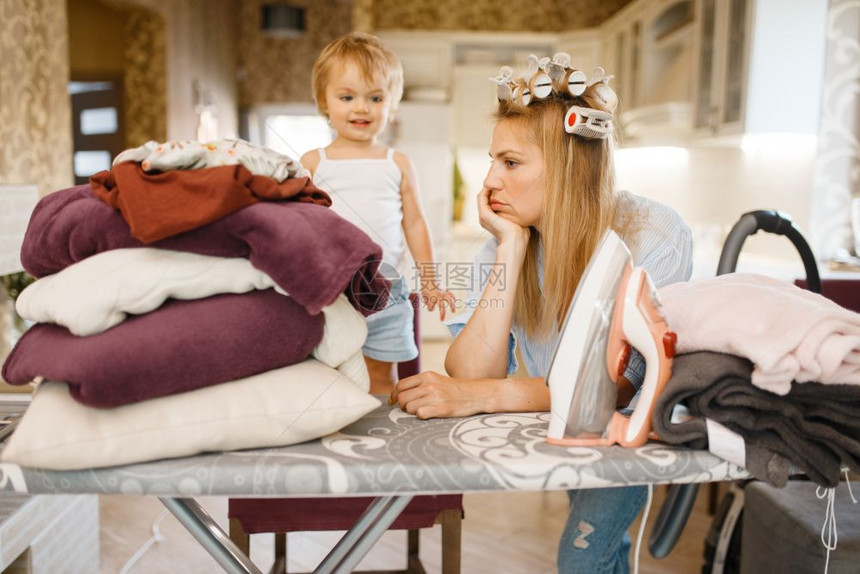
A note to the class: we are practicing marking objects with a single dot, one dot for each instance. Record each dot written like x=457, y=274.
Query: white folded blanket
x=100, y=291
x=788, y=333
x=343, y=336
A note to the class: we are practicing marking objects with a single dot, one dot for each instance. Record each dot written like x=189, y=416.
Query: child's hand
x=433, y=296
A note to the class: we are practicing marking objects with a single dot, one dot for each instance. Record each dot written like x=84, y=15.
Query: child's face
x=357, y=109
x=517, y=176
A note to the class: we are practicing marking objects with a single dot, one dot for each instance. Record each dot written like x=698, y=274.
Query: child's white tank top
x=366, y=192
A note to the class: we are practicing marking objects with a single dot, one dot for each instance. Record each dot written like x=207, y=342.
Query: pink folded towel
x=787, y=332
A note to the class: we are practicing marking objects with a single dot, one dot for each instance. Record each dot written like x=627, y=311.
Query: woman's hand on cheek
x=431, y=395
x=502, y=228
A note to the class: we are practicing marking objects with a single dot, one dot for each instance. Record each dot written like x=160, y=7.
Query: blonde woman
x=548, y=197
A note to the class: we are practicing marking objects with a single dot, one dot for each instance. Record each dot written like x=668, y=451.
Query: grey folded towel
x=815, y=426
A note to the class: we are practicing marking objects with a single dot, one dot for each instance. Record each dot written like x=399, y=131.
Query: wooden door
x=97, y=124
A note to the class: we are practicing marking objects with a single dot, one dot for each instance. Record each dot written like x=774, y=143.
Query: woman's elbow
x=452, y=366
x=470, y=369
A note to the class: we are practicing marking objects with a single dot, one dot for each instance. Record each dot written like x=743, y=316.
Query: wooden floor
x=502, y=533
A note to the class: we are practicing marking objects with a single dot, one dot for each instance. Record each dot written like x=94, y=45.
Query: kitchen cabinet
x=648, y=46
x=667, y=50
x=474, y=100
x=426, y=60
x=477, y=58
x=759, y=65
x=583, y=47
x=457, y=67
x=622, y=39
x=423, y=132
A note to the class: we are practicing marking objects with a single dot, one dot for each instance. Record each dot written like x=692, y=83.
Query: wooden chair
x=282, y=515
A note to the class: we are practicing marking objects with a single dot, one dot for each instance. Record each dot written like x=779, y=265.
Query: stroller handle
x=773, y=222
x=679, y=502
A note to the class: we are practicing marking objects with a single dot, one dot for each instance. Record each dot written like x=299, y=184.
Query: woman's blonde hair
x=579, y=204
x=366, y=52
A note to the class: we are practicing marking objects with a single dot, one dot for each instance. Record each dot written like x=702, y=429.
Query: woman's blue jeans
x=595, y=538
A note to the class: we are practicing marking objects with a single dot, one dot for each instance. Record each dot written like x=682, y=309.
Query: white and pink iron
x=615, y=307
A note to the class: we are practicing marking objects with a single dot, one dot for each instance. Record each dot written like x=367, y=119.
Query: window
x=89, y=162
x=292, y=130
x=98, y=121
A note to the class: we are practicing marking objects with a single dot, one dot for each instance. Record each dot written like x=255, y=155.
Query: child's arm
x=418, y=238
x=310, y=161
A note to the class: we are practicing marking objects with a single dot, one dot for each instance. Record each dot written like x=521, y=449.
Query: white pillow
x=355, y=369
x=98, y=292
x=343, y=336
x=280, y=407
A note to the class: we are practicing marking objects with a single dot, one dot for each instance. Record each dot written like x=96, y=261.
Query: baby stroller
x=723, y=543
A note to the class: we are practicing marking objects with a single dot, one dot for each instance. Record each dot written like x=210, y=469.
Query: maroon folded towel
x=308, y=250
x=181, y=346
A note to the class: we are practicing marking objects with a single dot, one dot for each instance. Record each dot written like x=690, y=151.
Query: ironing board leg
x=197, y=521
x=359, y=539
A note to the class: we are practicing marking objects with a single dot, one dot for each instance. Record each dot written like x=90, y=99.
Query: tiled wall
x=278, y=69
x=712, y=186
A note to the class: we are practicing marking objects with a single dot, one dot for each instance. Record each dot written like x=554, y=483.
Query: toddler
x=357, y=84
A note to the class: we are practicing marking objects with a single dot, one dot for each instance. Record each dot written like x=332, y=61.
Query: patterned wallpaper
x=145, y=78
x=837, y=171
x=492, y=15
x=279, y=69
x=35, y=109
x=362, y=16
x=197, y=38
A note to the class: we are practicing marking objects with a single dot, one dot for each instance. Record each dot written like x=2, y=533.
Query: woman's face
x=517, y=176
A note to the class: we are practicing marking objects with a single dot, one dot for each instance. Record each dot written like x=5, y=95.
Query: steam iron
x=614, y=308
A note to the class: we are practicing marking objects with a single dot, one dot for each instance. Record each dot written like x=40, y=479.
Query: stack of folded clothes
x=769, y=375
x=215, y=305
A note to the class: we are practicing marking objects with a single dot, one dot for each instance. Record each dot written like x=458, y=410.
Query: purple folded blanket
x=308, y=250
x=181, y=346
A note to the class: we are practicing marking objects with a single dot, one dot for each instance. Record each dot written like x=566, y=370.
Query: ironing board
x=388, y=454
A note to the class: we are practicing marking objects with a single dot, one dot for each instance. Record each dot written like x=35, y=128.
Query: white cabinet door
x=426, y=59
x=759, y=66
x=706, y=110
x=424, y=134
x=474, y=100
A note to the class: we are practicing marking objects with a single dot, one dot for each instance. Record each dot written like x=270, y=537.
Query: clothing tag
x=726, y=443
x=680, y=414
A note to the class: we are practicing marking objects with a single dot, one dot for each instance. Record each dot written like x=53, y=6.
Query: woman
x=547, y=199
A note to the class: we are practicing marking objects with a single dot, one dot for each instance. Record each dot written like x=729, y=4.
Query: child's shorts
x=390, y=336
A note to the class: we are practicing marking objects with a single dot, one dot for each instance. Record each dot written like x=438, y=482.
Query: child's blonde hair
x=371, y=57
